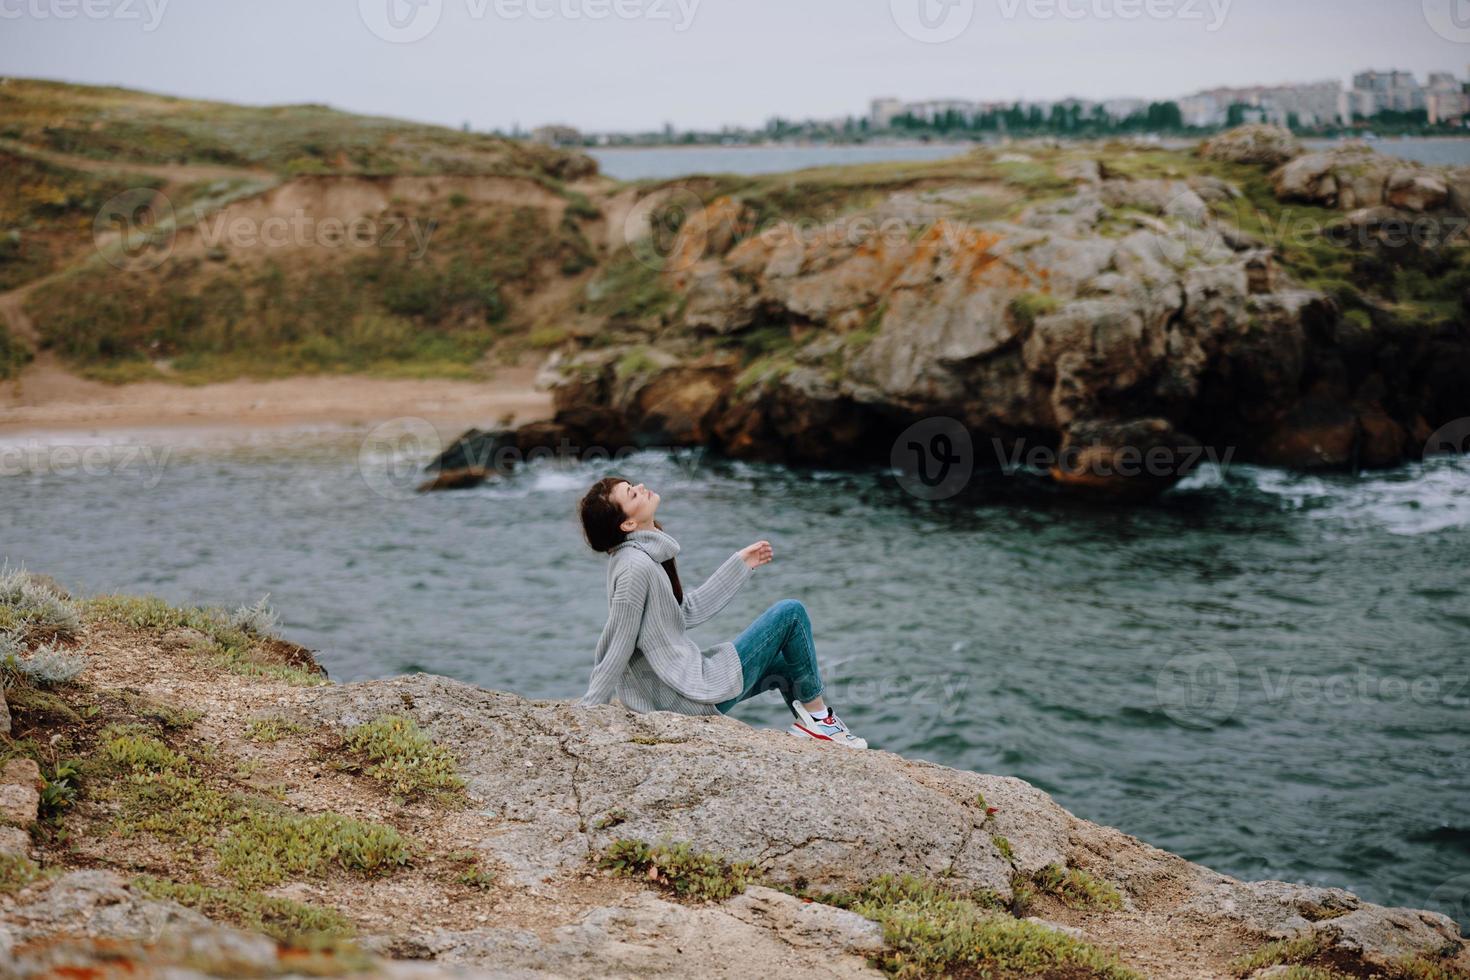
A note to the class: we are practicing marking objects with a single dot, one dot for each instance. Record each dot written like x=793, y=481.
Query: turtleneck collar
x=659, y=545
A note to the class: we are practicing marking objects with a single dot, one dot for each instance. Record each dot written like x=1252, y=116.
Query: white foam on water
x=1416, y=499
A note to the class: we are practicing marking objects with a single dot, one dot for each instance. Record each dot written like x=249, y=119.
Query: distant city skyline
x=703, y=64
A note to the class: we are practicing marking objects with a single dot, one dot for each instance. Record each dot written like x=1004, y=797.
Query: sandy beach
x=48, y=398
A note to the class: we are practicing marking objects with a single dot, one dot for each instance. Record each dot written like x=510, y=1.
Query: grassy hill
x=112, y=124
x=268, y=241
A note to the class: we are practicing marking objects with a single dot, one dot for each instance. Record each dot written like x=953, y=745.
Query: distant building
x=882, y=112
x=1202, y=109
x=557, y=135
x=1397, y=91
x=1309, y=104
x=1123, y=108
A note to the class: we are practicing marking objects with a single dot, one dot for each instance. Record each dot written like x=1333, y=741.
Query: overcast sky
x=626, y=64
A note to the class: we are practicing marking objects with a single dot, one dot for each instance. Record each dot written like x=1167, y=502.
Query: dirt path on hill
x=176, y=173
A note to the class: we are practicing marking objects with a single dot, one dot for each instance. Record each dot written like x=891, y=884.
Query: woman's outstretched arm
x=707, y=600
x=620, y=635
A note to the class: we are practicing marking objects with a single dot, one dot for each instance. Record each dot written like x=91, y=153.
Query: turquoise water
x=1265, y=672
x=663, y=162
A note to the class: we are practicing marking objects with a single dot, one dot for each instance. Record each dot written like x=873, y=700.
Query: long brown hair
x=601, y=520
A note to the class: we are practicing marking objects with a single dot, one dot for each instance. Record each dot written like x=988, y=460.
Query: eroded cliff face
x=236, y=815
x=1088, y=299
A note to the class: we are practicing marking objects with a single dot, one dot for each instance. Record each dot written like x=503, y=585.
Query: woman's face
x=638, y=503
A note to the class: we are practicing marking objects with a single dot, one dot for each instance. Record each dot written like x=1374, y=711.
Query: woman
x=646, y=658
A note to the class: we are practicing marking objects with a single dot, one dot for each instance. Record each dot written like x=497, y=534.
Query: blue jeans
x=777, y=654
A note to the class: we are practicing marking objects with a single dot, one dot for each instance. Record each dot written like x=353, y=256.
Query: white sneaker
x=830, y=729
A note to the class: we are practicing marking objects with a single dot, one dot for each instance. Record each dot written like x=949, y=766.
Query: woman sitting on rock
x=645, y=656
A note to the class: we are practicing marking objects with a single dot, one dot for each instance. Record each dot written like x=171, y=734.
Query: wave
x=1412, y=500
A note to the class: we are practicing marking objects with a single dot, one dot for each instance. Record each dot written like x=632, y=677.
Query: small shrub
x=471, y=873
x=678, y=868
x=50, y=666
x=259, y=620
x=33, y=609
x=610, y=819
x=403, y=758
x=59, y=788
x=1077, y=889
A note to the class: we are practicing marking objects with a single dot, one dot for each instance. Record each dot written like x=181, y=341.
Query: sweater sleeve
x=707, y=600
x=619, y=637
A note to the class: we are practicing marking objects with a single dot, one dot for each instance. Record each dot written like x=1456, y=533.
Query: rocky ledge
x=1079, y=306
x=184, y=799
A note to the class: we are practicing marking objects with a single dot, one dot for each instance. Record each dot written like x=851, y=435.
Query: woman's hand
x=757, y=554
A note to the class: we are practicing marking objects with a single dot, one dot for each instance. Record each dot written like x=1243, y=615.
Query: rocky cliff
x=186, y=795
x=1085, y=306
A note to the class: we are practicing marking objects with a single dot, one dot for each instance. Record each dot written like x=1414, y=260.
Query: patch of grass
x=41, y=704
x=1077, y=889
x=546, y=337
x=579, y=207
x=980, y=208
x=167, y=715
x=934, y=932
x=271, y=730
x=266, y=848
x=635, y=361
x=16, y=871
x=771, y=367
x=629, y=289
x=1003, y=845
x=14, y=354
x=161, y=791
x=222, y=644
x=1036, y=179
x=404, y=759
x=1027, y=307
x=46, y=213
x=279, y=918
x=115, y=124
x=678, y=868
x=1297, y=950
x=470, y=872
x=1422, y=968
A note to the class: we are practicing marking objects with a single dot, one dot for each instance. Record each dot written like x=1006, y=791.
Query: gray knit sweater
x=644, y=655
